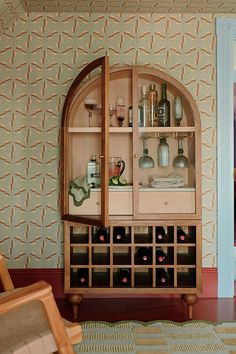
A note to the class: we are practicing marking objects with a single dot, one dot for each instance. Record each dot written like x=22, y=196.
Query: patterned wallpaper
x=40, y=56
x=9, y=12
x=132, y=6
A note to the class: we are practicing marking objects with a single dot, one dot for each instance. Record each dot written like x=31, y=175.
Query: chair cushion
x=26, y=330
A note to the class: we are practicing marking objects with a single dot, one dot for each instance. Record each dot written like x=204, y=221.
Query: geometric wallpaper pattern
x=132, y=6
x=40, y=56
x=9, y=12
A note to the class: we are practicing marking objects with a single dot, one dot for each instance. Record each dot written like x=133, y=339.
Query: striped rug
x=162, y=337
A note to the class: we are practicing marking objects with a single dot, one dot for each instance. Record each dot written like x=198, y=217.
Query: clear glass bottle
x=144, y=106
x=93, y=172
x=163, y=153
x=163, y=109
x=153, y=101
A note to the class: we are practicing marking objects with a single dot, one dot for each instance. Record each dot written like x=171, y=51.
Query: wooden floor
x=145, y=309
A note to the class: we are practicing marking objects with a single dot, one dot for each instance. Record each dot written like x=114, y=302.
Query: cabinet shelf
x=90, y=130
x=121, y=130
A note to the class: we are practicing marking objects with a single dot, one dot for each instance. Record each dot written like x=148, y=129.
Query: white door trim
x=226, y=33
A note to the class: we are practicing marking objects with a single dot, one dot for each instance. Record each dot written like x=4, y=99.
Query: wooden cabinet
x=140, y=205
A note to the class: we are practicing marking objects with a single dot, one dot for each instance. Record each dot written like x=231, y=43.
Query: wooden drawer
x=120, y=203
x=166, y=202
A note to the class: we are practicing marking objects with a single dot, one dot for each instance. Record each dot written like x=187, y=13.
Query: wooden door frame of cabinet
x=68, y=104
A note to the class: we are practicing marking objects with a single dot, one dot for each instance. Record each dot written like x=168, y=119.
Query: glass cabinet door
x=164, y=160
x=85, y=125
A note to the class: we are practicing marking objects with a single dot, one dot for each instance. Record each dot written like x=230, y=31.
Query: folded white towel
x=171, y=181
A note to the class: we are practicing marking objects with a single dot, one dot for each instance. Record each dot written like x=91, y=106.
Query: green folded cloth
x=79, y=190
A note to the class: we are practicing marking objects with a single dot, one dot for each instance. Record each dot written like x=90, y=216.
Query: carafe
x=116, y=166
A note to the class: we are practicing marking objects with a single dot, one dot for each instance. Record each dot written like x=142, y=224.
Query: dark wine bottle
x=83, y=277
x=144, y=255
x=160, y=256
x=161, y=277
x=124, y=277
x=160, y=233
x=181, y=235
x=163, y=109
x=101, y=235
x=118, y=234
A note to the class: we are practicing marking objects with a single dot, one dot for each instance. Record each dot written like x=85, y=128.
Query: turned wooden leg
x=190, y=300
x=75, y=300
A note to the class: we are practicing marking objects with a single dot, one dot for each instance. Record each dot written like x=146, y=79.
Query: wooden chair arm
x=4, y=275
x=24, y=295
x=42, y=292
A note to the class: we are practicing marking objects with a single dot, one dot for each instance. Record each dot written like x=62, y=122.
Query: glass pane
x=120, y=144
x=85, y=148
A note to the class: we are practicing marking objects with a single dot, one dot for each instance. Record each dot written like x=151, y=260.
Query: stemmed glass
x=178, y=110
x=180, y=161
x=112, y=111
x=146, y=161
x=90, y=104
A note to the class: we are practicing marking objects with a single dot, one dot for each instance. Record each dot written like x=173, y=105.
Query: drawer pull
x=98, y=203
x=166, y=203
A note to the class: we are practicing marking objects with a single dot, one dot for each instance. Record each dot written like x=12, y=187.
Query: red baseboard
x=54, y=276
x=23, y=277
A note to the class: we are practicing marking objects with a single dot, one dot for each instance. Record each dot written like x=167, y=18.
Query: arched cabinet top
x=83, y=86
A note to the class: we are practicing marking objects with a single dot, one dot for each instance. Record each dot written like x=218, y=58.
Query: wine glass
x=180, y=161
x=120, y=111
x=90, y=104
x=98, y=109
x=146, y=161
x=178, y=110
x=112, y=111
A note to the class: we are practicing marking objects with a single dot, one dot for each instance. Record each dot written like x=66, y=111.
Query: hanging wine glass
x=178, y=110
x=90, y=104
x=180, y=161
x=146, y=161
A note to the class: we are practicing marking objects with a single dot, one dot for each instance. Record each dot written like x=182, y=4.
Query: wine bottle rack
x=104, y=260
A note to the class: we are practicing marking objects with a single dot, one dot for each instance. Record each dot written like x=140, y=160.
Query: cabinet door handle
x=98, y=203
x=135, y=156
x=101, y=156
x=166, y=203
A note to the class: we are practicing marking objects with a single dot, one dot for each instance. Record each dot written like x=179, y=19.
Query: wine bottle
x=160, y=233
x=130, y=116
x=118, y=234
x=161, y=277
x=101, y=235
x=144, y=255
x=124, y=276
x=83, y=277
x=160, y=256
x=163, y=109
x=181, y=235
